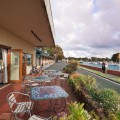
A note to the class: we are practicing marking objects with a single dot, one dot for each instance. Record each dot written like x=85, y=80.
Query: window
x=28, y=59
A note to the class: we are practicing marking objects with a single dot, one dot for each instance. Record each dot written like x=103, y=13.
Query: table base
x=55, y=105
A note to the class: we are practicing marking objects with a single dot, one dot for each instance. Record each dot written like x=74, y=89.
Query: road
x=57, y=66
x=101, y=82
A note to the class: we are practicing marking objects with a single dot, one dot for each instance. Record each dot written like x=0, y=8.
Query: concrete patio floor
x=5, y=113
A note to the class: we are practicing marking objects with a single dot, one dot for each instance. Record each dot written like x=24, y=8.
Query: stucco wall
x=8, y=39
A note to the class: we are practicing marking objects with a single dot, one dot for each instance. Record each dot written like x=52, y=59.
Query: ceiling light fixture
x=35, y=35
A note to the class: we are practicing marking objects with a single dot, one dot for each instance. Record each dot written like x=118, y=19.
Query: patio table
x=54, y=73
x=49, y=93
x=43, y=78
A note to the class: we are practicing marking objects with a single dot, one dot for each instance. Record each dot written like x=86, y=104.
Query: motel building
x=25, y=26
x=43, y=58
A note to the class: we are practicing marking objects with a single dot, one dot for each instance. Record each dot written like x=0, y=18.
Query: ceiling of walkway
x=27, y=19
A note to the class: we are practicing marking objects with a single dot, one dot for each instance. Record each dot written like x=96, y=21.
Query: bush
x=89, y=81
x=93, y=92
x=71, y=67
x=113, y=116
x=75, y=75
x=82, y=81
x=108, y=99
x=77, y=82
x=77, y=112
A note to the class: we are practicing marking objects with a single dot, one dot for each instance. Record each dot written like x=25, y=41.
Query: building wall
x=9, y=39
x=46, y=60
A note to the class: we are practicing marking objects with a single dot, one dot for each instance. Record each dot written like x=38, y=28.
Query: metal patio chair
x=50, y=75
x=63, y=78
x=35, y=117
x=50, y=82
x=35, y=70
x=17, y=105
x=28, y=83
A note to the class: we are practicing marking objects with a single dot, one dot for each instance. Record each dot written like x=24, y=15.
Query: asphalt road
x=101, y=82
x=57, y=66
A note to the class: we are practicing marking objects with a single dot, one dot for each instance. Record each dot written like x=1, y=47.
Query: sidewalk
x=46, y=66
x=5, y=112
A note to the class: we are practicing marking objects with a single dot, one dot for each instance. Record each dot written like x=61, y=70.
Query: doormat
x=6, y=116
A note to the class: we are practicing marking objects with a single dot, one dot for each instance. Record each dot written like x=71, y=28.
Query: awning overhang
x=30, y=20
x=38, y=53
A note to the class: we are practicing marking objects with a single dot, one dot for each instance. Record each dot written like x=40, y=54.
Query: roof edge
x=50, y=18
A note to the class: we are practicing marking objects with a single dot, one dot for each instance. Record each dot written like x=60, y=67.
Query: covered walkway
x=4, y=108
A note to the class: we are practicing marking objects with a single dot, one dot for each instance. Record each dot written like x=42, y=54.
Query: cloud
x=87, y=27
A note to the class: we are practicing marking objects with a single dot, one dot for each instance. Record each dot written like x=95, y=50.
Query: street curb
x=102, y=76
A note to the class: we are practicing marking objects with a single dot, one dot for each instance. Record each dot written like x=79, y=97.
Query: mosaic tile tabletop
x=47, y=92
x=43, y=78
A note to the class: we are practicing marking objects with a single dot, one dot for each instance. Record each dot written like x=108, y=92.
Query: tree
x=115, y=57
x=56, y=52
x=93, y=58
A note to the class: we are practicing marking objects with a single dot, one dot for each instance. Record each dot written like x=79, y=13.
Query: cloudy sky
x=87, y=28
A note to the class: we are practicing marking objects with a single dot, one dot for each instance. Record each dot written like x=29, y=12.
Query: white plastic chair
x=35, y=117
x=16, y=107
